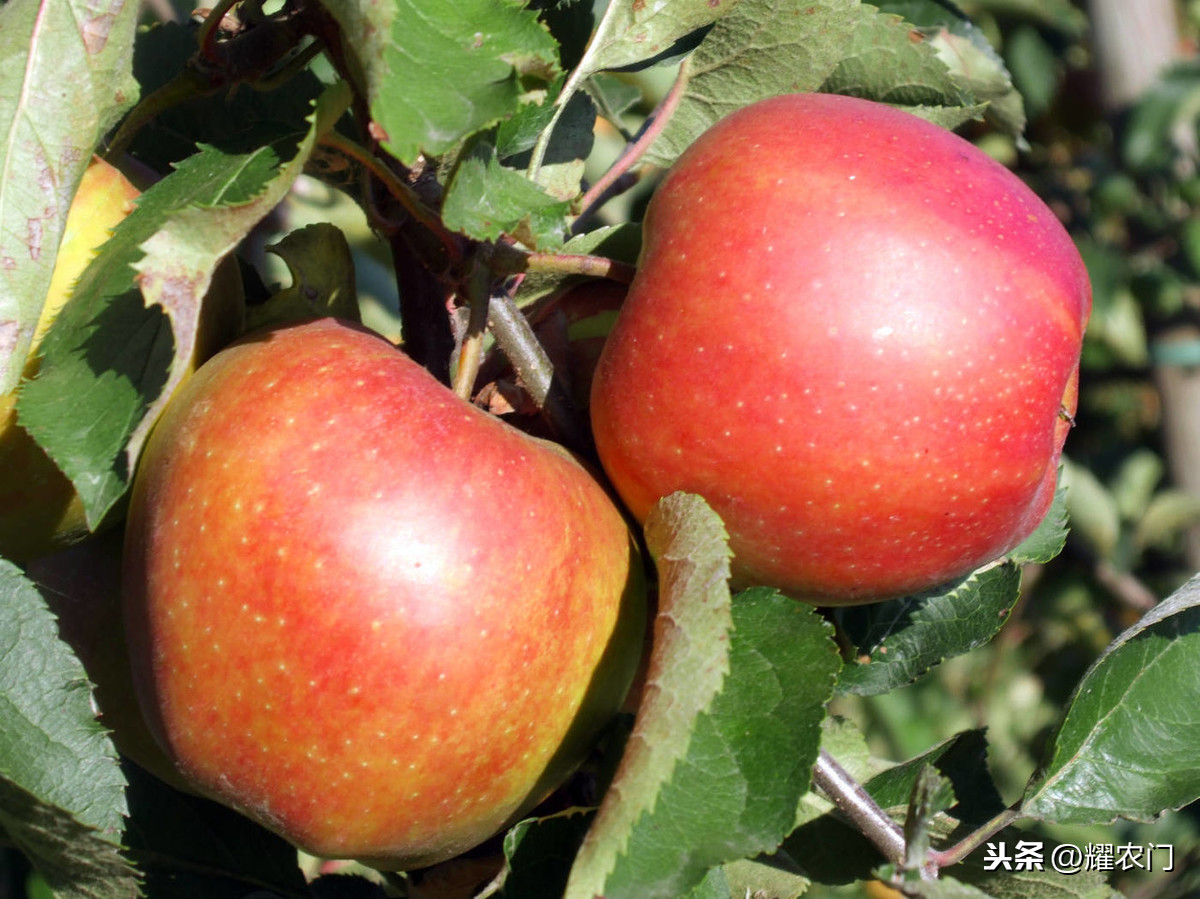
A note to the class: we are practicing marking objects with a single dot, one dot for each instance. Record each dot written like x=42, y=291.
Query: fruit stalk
x=856, y=804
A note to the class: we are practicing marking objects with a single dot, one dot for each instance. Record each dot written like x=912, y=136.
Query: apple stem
x=471, y=352
x=598, y=193
x=856, y=804
x=516, y=340
x=592, y=266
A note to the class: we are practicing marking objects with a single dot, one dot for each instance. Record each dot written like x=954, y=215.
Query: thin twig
x=1125, y=586
x=471, y=352
x=520, y=345
x=506, y=259
x=633, y=152
x=577, y=264
x=395, y=185
x=946, y=857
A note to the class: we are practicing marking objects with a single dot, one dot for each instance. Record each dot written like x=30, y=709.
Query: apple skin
x=854, y=334
x=368, y=615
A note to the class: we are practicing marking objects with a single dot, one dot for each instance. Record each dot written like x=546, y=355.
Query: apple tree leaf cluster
x=467, y=136
x=149, y=335
x=1099, y=753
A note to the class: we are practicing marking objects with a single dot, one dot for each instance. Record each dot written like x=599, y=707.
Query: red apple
x=858, y=337
x=365, y=613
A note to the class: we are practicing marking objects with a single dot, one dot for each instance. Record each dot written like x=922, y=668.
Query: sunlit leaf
x=64, y=81
x=1128, y=744
x=710, y=778
x=895, y=642
x=436, y=71
x=114, y=354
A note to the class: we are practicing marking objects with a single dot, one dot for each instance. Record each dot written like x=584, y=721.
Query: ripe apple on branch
x=858, y=337
x=340, y=628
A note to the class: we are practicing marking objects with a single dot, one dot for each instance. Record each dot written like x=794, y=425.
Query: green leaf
x=630, y=33
x=1128, y=744
x=572, y=138
x=612, y=95
x=714, y=885
x=323, y=282
x=890, y=61
x=1094, y=512
x=1169, y=514
x=931, y=794
x=837, y=46
x=569, y=145
x=943, y=888
x=75, y=861
x=1061, y=15
x=436, y=72
x=1157, y=134
x=1049, y=537
x=61, y=790
x=1117, y=329
x=710, y=778
x=108, y=363
x=64, y=81
x=761, y=49
x=1044, y=884
x=759, y=877
x=1036, y=67
x=689, y=662
x=895, y=642
x=486, y=199
x=968, y=56
x=235, y=119
x=962, y=760
x=538, y=853
x=1134, y=483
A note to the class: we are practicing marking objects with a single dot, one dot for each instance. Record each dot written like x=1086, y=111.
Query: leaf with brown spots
x=113, y=357
x=65, y=79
